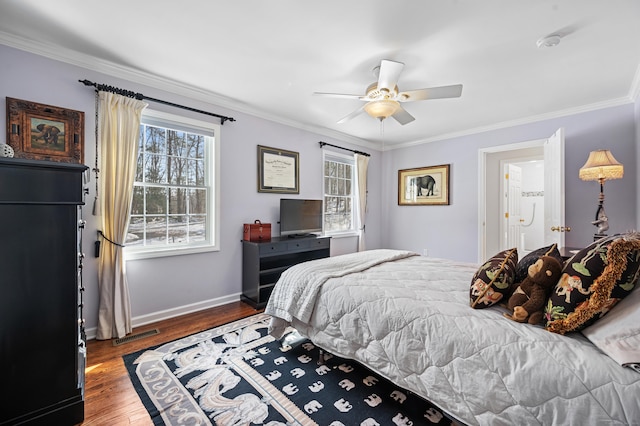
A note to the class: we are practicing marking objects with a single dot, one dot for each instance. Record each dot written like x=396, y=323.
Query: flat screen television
x=299, y=217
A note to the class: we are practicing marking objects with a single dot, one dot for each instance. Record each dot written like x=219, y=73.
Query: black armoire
x=42, y=350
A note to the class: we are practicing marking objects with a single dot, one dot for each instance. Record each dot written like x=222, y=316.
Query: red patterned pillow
x=493, y=281
x=593, y=281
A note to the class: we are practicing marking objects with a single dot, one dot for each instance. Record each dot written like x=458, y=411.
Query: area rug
x=237, y=374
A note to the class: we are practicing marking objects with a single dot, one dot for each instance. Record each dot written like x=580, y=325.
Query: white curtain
x=362, y=163
x=119, y=123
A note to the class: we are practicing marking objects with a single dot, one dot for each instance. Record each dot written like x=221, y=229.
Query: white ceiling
x=268, y=57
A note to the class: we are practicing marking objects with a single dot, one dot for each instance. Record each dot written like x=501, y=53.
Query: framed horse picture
x=424, y=186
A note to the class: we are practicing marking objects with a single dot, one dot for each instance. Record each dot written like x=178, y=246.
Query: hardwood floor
x=110, y=398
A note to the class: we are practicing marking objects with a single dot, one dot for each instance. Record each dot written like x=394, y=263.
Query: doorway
x=523, y=204
x=493, y=200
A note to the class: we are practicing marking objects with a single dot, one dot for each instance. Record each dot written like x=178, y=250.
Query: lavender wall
x=168, y=286
x=637, y=111
x=451, y=231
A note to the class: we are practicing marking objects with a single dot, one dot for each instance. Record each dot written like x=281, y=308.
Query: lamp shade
x=601, y=165
x=382, y=108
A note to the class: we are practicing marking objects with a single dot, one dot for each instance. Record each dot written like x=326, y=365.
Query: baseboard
x=173, y=312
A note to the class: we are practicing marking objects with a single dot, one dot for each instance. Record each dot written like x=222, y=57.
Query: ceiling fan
x=383, y=97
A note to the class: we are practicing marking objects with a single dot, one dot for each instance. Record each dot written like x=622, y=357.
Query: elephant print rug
x=237, y=374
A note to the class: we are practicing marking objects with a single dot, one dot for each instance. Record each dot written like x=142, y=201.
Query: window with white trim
x=175, y=198
x=339, y=188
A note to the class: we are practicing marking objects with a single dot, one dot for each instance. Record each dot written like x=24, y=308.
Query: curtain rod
x=346, y=149
x=140, y=96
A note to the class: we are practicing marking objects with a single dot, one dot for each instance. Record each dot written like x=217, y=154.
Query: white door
x=491, y=214
x=554, y=226
x=513, y=194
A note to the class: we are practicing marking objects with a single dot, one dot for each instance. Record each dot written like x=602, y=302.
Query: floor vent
x=137, y=336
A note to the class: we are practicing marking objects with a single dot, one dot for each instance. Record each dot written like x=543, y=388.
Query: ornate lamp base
x=601, y=222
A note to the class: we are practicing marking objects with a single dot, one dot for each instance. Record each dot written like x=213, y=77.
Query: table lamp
x=601, y=166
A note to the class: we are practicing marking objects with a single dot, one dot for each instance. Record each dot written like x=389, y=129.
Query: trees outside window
x=173, y=204
x=338, y=193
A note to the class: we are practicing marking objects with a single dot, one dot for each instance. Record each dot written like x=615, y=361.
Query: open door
x=513, y=215
x=554, y=226
x=490, y=199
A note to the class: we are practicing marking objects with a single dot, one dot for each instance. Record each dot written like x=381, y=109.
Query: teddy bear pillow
x=528, y=300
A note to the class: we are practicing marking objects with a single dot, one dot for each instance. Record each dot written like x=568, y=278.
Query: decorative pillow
x=593, y=281
x=494, y=279
x=522, y=268
x=618, y=334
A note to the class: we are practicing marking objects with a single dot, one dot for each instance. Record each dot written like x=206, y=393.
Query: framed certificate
x=278, y=170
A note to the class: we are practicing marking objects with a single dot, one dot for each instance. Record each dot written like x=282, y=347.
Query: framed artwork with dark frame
x=278, y=170
x=424, y=186
x=44, y=132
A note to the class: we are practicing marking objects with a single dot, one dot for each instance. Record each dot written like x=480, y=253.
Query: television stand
x=264, y=262
x=302, y=236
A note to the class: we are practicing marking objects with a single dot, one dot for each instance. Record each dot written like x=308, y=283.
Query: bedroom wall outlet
x=425, y=252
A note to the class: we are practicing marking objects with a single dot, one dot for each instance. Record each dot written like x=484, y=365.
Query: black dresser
x=42, y=349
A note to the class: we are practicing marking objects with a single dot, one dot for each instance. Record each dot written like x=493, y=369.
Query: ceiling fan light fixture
x=383, y=97
x=381, y=109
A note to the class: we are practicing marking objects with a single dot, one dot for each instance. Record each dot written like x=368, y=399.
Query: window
x=175, y=197
x=339, y=186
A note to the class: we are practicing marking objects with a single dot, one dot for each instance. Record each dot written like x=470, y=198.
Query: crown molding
x=175, y=87
x=171, y=86
x=518, y=122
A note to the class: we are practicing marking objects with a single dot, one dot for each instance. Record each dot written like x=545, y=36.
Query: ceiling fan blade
x=352, y=115
x=454, y=91
x=402, y=116
x=389, y=74
x=338, y=95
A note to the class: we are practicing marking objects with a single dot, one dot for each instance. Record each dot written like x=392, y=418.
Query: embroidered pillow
x=522, y=268
x=493, y=281
x=592, y=282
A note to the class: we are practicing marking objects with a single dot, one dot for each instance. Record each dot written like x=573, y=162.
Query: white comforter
x=409, y=319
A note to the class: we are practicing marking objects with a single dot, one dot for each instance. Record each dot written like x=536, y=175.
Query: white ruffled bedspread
x=408, y=318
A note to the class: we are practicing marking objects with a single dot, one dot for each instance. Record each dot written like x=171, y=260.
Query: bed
x=408, y=317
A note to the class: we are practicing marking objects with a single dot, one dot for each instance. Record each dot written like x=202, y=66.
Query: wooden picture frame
x=278, y=170
x=44, y=132
x=424, y=186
